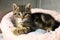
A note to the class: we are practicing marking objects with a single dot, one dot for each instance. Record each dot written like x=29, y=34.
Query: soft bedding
x=7, y=26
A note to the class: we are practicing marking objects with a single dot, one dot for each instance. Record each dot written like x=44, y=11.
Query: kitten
x=22, y=19
x=26, y=22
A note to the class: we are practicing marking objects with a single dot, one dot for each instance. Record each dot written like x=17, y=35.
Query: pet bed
x=7, y=26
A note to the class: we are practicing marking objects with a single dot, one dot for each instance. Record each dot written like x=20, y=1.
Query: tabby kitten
x=26, y=22
x=22, y=19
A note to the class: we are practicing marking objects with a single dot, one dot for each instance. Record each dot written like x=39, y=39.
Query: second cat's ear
x=28, y=6
x=14, y=6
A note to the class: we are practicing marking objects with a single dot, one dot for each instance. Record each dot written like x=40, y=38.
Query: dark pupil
x=18, y=13
x=25, y=14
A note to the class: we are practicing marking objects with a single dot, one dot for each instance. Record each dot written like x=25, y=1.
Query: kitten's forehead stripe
x=22, y=8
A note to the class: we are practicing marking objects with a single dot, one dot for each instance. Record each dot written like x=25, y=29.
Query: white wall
x=38, y=3
x=51, y=4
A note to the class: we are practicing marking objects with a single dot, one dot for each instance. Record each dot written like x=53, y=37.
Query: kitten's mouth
x=21, y=23
x=20, y=20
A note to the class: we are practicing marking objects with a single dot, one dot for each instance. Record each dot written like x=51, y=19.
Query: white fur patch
x=19, y=20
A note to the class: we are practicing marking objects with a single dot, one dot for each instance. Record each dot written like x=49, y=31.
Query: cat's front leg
x=21, y=30
x=18, y=31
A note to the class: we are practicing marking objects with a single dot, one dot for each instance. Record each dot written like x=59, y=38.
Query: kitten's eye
x=25, y=14
x=18, y=13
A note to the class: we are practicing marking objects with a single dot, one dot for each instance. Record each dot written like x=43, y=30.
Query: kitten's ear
x=14, y=6
x=28, y=6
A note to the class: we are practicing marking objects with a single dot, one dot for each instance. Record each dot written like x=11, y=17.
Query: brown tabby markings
x=26, y=22
x=21, y=14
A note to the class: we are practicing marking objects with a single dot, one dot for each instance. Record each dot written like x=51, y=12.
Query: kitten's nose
x=22, y=18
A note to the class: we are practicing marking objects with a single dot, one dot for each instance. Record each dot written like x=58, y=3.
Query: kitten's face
x=22, y=13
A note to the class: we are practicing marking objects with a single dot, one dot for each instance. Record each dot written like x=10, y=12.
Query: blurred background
x=6, y=5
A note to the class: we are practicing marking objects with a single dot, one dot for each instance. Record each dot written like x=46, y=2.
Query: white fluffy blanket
x=7, y=26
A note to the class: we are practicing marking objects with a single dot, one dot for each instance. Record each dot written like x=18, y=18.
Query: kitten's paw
x=19, y=31
x=48, y=29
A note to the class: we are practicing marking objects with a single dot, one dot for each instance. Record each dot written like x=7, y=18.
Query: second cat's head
x=21, y=11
